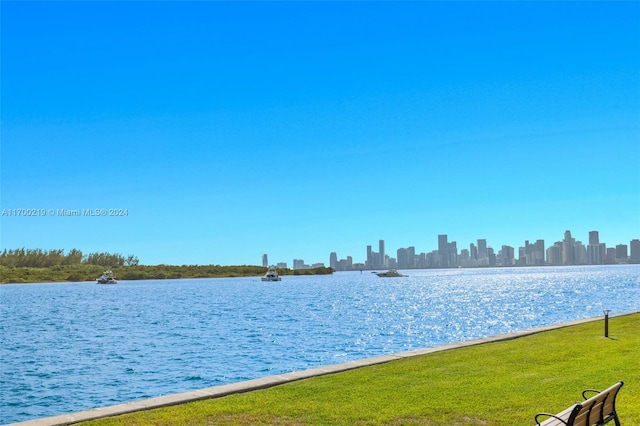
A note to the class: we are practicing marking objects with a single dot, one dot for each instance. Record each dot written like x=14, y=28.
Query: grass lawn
x=503, y=383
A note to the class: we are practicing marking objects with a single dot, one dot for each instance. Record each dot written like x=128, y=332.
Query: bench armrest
x=548, y=415
x=584, y=392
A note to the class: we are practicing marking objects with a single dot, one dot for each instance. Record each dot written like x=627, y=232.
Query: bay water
x=67, y=347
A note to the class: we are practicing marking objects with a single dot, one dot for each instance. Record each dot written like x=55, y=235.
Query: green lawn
x=504, y=383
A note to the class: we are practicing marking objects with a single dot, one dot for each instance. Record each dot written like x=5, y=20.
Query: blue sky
x=232, y=129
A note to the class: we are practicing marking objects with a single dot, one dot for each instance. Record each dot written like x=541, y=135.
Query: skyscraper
x=621, y=253
x=473, y=251
x=375, y=260
x=533, y=253
x=443, y=250
x=596, y=252
x=382, y=256
x=482, y=249
x=568, y=255
x=403, y=258
x=507, y=255
x=265, y=261
x=453, y=253
x=411, y=256
x=554, y=254
x=634, y=251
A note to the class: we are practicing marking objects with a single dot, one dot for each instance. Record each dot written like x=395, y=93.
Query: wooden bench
x=596, y=410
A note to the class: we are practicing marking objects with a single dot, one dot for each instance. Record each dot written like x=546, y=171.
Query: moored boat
x=107, y=277
x=271, y=275
x=390, y=273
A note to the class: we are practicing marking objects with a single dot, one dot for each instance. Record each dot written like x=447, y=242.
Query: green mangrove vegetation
x=39, y=266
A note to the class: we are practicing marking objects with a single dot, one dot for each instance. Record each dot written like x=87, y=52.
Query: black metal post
x=606, y=323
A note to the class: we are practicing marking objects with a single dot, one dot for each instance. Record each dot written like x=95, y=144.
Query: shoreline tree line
x=38, y=258
x=38, y=266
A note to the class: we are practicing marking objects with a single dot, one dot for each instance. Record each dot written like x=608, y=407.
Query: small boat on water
x=391, y=273
x=107, y=277
x=271, y=275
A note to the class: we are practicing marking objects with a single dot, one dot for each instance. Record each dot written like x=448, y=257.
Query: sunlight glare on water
x=70, y=347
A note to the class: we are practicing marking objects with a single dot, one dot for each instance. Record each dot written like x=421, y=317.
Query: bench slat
x=594, y=411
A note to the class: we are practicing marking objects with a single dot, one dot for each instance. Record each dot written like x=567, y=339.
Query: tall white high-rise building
x=568, y=250
x=596, y=252
x=333, y=260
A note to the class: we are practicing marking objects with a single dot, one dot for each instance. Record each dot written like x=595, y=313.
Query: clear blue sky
x=233, y=129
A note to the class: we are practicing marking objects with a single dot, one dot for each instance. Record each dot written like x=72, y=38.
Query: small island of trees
x=39, y=266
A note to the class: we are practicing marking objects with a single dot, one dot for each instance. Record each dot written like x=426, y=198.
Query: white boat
x=271, y=275
x=107, y=277
x=390, y=273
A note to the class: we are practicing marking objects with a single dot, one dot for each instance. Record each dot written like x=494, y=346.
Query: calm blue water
x=71, y=347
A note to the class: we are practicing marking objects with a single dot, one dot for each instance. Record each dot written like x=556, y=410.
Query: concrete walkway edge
x=267, y=382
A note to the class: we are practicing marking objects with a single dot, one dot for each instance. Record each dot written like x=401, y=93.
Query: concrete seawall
x=266, y=382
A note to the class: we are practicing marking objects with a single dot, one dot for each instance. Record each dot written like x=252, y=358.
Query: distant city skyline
x=567, y=251
x=212, y=132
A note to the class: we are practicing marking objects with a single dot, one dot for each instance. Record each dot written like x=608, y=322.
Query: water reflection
x=69, y=347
